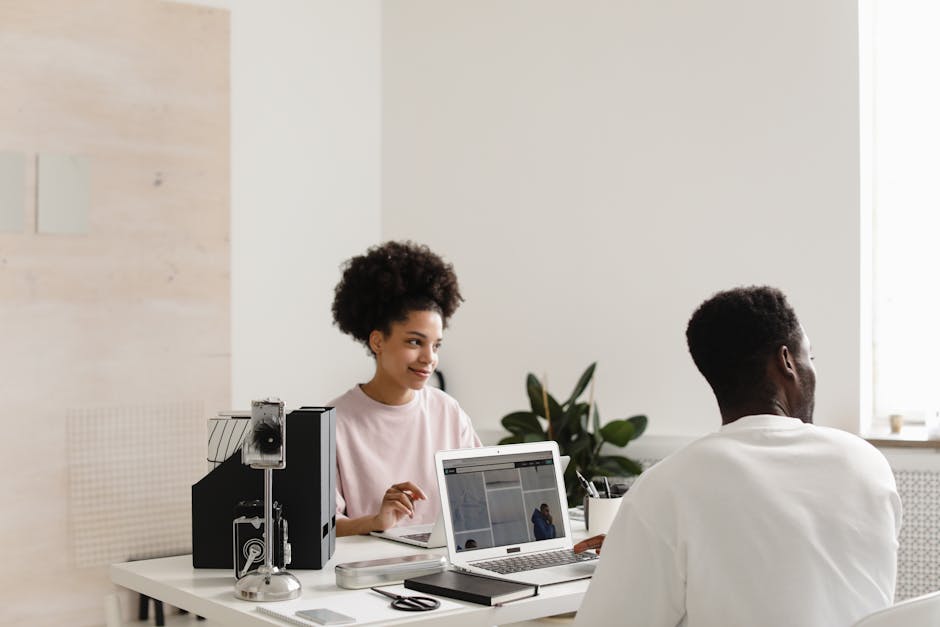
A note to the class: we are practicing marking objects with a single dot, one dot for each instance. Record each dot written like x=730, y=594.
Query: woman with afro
x=396, y=300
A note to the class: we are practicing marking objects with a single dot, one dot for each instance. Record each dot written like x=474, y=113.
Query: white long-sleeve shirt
x=768, y=522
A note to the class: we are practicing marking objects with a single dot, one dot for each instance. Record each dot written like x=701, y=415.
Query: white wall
x=305, y=189
x=596, y=169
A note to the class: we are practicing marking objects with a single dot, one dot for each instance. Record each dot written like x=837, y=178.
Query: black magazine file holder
x=311, y=516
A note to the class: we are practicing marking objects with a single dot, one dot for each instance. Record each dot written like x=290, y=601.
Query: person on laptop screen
x=770, y=521
x=543, y=527
x=396, y=300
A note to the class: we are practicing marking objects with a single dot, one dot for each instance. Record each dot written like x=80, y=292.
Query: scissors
x=410, y=604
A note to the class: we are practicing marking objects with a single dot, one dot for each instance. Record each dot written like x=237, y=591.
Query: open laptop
x=506, y=514
x=429, y=536
x=425, y=536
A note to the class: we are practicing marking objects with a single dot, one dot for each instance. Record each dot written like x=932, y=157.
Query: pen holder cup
x=600, y=513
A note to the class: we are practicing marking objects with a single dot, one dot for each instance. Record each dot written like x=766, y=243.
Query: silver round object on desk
x=267, y=584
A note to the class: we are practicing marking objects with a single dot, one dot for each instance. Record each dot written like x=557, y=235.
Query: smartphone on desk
x=323, y=616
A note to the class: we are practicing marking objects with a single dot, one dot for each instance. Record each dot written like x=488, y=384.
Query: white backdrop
x=596, y=169
x=593, y=169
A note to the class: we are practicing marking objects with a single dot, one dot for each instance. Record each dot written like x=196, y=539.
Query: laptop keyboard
x=420, y=537
x=534, y=561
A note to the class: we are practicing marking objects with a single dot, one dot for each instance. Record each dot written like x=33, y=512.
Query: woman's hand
x=397, y=503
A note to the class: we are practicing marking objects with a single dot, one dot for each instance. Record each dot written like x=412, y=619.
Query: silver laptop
x=425, y=536
x=506, y=514
x=429, y=536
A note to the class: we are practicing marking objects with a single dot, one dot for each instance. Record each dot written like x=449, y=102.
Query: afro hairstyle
x=733, y=334
x=387, y=283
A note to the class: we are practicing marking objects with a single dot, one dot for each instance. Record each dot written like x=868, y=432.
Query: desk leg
x=143, y=610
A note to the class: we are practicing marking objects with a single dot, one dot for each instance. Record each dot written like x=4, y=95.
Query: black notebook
x=472, y=588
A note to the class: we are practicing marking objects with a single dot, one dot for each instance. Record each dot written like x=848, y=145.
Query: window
x=904, y=56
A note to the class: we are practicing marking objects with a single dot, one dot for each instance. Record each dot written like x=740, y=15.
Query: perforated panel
x=919, y=551
x=130, y=474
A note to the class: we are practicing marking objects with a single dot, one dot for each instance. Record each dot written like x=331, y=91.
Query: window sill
x=909, y=437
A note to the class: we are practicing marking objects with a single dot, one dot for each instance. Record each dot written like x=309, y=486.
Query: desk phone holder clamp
x=264, y=448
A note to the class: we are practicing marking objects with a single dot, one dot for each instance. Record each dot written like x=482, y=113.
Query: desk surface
x=210, y=593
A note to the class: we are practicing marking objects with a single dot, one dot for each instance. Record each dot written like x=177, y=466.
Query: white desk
x=210, y=593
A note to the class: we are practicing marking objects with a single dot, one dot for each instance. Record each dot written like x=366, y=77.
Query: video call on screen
x=504, y=501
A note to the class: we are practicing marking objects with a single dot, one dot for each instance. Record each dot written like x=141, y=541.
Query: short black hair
x=387, y=283
x=733, y=334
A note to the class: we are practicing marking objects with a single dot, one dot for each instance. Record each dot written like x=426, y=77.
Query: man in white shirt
x=771, y=521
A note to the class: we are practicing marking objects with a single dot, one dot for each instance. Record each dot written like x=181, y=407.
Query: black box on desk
x=305, y=488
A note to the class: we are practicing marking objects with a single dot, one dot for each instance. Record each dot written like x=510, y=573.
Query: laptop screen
x=504, y=500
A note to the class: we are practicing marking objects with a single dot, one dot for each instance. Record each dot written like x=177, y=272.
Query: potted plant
x=576, y=427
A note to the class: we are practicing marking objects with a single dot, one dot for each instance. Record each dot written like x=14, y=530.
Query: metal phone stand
x=268, y=582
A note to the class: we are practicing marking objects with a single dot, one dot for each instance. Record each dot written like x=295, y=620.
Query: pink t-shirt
x=378, y=445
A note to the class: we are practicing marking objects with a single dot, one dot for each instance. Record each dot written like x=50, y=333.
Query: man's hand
x=594, y=542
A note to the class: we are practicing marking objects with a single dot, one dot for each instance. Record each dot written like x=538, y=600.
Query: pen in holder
x=265, y=448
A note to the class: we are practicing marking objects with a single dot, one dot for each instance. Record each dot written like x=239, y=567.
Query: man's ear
x=376, y=338
x=786, y=362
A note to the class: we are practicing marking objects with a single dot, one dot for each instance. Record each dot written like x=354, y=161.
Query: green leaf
x=582, y=383
x=522, y=422
x=533, y=388
x=570, y=424
x=618, y=432
x=639, y=425
x=511, y=439
x=574, y=491
x=534, y=437
x=537, y=401
x=619, y=465
x=577, y=447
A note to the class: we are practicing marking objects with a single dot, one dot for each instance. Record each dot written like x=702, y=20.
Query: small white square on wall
x=12, y=191
x=62, y=194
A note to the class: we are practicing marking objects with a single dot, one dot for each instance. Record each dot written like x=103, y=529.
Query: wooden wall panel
x=135, y=311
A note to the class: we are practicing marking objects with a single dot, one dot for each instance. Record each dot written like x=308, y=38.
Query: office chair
x=922, y=611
